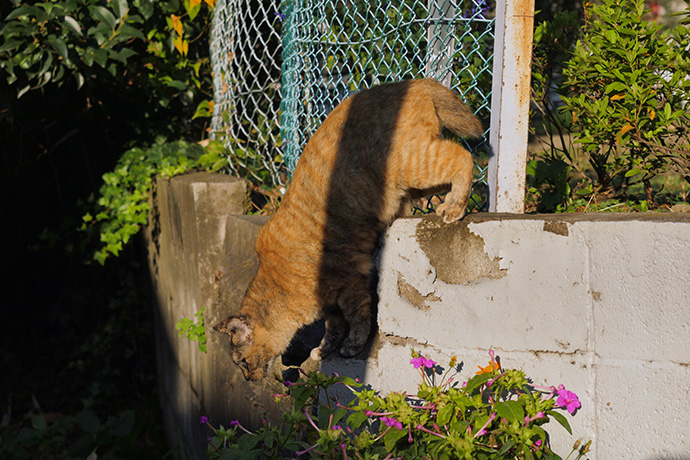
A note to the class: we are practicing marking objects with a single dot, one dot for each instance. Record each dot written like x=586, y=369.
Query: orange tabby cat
x=376, y=151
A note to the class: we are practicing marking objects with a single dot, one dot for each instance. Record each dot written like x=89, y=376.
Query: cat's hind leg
x=336, y=328
x=445, y=162
x=355, y=303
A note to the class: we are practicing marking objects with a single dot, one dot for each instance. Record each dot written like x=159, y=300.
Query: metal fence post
x=510, y=97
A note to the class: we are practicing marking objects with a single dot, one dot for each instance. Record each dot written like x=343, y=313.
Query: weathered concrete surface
x=597, y=302
x=200, y=257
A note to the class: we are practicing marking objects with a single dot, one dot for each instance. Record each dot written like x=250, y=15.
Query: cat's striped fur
x=358, y=172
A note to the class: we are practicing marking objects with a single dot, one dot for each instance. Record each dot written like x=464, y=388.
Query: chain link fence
x=320, y=51
x=246, y=59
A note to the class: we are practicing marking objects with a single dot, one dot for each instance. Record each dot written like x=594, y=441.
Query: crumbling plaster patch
x=457, y=254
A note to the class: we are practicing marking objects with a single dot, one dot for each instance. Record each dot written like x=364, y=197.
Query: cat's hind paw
x=323, y=350
x=450, y=212
x=350, y=348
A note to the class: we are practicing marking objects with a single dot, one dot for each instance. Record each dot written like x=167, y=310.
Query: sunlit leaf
x=176, y=25
x=72, y=24
x=625, y=129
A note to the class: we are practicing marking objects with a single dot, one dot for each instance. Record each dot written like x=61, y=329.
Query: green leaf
x=88, y=421
x=177, y=84
x=70, y=23
x=104, y=15
x=560, y=418
x=194, y=12
x=444, y=414
x=38, y=423
x=633, y=172
x=24, y=10
x=120, y=8
x=122, y=425
x=100, y=56
x=392, y=437
x=510, y=410
x=61, y=47
x=356, y=419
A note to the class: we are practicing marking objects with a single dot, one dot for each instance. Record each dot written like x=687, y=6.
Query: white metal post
x=441, y=40
x=510, y=98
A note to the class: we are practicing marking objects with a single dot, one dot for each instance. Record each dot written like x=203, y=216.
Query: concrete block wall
x=599, y=303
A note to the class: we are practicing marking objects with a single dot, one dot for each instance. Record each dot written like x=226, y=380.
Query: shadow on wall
x=352, y=229
x=355, y=212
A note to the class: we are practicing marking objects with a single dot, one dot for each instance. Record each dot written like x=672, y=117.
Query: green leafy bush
x=626, y=87
x=194, y=331
x=131, y=43
x=74, y=437
x=497, y=414
x=123, y=206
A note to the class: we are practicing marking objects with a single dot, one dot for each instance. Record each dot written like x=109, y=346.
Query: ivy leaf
x=88, y=421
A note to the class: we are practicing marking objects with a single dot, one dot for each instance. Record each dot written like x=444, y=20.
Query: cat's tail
x=452, y=112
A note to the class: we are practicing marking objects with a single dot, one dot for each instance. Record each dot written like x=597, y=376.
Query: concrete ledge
x=597, y=302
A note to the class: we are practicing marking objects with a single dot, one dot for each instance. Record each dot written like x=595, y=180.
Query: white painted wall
x=598, y=303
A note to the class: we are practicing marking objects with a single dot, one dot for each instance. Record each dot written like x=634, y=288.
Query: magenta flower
x=391, y=422
x=568, y=399
x=422, y=361
x=203, y=420
x=234, y=423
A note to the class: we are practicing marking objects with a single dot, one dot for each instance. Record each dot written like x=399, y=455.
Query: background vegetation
x=82, y=82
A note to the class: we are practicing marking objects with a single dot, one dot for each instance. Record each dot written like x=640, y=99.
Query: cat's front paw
x=450, y=212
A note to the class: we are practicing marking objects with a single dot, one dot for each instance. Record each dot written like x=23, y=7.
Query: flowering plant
x=497, y=414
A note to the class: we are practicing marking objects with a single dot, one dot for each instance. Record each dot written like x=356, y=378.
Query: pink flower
x=567, y=399
x=203, y=420
x=422, y=361
x=391, y=422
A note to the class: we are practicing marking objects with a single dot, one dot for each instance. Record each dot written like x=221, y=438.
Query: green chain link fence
x=330, y=49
